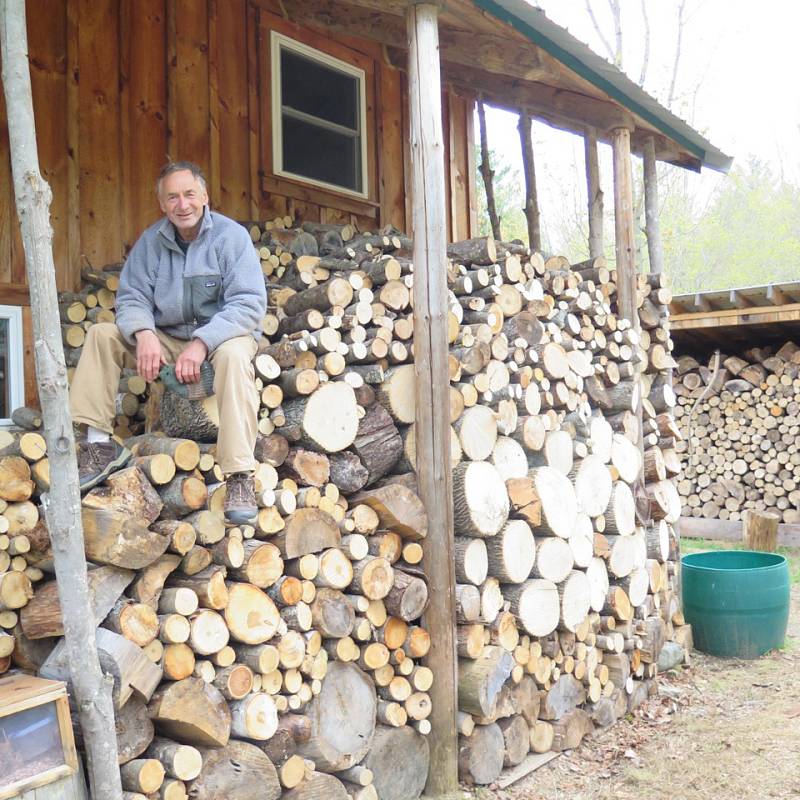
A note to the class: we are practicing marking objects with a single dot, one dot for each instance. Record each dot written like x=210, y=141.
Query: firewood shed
x=355, y=116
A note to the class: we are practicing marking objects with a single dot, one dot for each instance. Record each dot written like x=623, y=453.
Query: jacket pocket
x=204, y=296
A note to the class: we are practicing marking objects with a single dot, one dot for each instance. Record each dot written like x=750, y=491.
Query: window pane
x=319, y=90
x=30, y=744
x=321, y=155
x=5, y=398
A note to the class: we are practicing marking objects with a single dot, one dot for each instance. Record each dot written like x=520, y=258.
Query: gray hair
x=180, y=166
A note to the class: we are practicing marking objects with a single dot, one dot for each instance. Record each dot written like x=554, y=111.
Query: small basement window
x=12, y=377
x=318, y=117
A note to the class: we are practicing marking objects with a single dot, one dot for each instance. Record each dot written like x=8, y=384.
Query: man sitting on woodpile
x=191, y=289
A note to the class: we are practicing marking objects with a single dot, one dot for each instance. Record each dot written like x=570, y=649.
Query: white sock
x=94, y=435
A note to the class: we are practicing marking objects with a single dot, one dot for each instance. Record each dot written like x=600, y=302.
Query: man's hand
x=187, y=367
x=149, y=356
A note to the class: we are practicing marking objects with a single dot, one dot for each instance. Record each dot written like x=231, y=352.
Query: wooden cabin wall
x=120, y=86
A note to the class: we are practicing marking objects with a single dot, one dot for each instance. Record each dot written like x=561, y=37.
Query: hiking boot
x=240, y=499
x=97, y=460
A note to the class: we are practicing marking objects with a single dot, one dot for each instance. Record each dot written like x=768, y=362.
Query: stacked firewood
x=740, y=418
x=243, y=638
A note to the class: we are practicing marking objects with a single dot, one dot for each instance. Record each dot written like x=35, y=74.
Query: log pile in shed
x=740, y=418
x=230, y=646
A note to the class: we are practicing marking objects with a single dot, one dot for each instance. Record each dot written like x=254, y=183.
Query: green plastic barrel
x=737, y=601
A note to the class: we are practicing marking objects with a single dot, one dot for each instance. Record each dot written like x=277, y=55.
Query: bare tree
x=676, y=60
x=614, y=53
x=646, y=54
x=62, y=506
x=487, y=173
x=531, y=197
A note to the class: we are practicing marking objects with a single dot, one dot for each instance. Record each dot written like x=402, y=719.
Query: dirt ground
x=721, y=728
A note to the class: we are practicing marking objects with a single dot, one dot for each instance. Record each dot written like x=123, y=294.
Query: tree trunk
x=531, y=196
x=487, y=173
x=62, y=510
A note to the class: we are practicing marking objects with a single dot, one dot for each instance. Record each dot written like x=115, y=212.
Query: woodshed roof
x=731, y=318
x=512, y=54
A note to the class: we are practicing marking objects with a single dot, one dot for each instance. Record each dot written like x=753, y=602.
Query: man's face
x=182, y=198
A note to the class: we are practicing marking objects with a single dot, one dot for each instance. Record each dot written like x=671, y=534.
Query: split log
x=480, y=680
x=341, y=736
x=480, y=756
x=398, y=760
x=193, y=712
x=237, y=770
x=480, y=499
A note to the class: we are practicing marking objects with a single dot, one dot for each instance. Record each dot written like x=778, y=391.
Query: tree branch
x=678, y=43
x=646, y=56
x=599, y=32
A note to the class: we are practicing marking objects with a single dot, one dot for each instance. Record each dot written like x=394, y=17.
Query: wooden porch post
x=595, y=194
x=432, y=388
x=652, y=227
x=623, y=225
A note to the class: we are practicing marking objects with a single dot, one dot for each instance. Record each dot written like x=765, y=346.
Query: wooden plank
x=73, y=135
x=740, y=300
x=8, y=216
x=232, y=112
x=472, y=180
x=144, y=111
x=216, y=54
x=254, y=130
x=390, y=138
x=98, y=109
x=29, y=370
x=191, y=90
x=725, y=530
x=735, y=316
x=530, y=764
x=47, y=44
x=460, y=121
x=431, y=394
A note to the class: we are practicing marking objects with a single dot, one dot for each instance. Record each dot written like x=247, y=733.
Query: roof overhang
x=510, y=54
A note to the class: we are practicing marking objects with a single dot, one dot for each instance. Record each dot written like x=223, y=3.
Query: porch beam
x=495, y=54
x=432, y=390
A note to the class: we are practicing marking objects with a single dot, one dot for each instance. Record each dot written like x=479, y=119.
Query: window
x=318, y=117
x=12, y=379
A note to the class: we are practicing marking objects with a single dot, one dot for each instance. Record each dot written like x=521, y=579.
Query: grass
x=702, y=545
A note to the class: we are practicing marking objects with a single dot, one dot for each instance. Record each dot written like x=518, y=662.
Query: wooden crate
x=37, y=746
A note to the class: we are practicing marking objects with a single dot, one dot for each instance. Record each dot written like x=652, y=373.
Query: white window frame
x=15, y=377
x=277, y=42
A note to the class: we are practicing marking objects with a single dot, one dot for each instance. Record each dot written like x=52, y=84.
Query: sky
x=737, y=83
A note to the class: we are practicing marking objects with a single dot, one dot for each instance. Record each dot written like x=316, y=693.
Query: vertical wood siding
x=121, y=85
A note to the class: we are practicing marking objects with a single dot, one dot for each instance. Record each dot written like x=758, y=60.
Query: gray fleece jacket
x=213, y=293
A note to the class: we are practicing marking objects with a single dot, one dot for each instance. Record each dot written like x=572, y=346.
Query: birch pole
x=595, y=194
x=652, y=227
x=91, y=688
x=432, y=416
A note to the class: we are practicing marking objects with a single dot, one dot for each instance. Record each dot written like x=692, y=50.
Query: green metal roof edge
x=530, y=20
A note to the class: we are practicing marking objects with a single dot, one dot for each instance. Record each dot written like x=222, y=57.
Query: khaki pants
x=105, y=354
